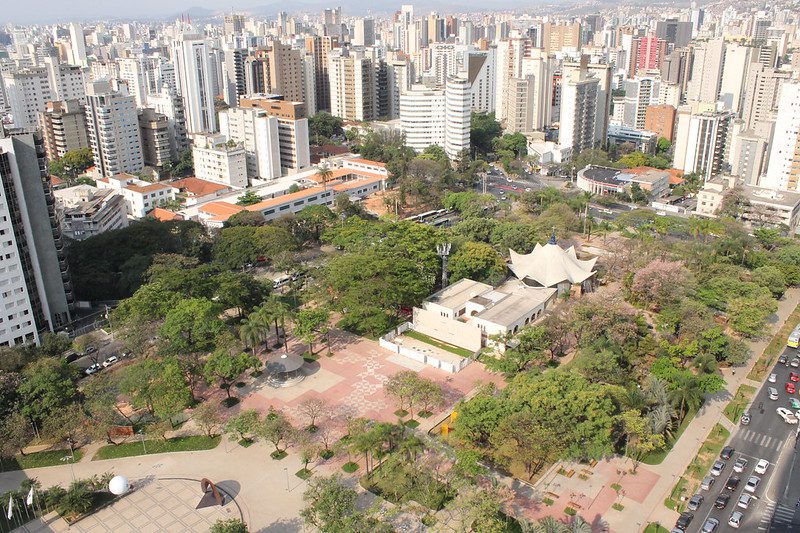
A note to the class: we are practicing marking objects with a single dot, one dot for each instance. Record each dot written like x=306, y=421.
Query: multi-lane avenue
x=768, y=437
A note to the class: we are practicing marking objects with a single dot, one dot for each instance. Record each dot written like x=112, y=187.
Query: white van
x=281, y=282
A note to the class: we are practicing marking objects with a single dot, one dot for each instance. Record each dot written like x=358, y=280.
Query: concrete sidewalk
x=674, y=465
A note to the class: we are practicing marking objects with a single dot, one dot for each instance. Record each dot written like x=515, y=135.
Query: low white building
x=220, y=160
x=140, y=196
x=84, y=211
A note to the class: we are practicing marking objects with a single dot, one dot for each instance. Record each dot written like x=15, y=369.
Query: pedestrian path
x=779, y=516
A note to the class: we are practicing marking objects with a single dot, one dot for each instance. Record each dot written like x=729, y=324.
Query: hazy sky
x=43, y=11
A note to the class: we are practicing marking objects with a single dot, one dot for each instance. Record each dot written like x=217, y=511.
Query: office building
x=675, y=32
x=34, y=279
x=113, y=127
x=63, y=127
x=363, y=32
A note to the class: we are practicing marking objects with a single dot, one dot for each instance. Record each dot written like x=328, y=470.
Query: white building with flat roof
x=220, y=160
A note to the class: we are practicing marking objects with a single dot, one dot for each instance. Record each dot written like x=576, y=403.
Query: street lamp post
x=286, y=471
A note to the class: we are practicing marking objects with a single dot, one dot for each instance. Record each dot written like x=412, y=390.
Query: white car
x=744, y=500
x=717, y=468
x=772, y=378
x=92, y=369
x=787, y=415
x=752, y=483
x=110, y=361
x=740, y=465
x=736, y=519
x=761, y=466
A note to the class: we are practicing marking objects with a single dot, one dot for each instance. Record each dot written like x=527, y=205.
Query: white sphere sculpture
x=118, y=485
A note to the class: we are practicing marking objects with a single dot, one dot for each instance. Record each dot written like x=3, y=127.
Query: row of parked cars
x=97, y=367
x=724, y=497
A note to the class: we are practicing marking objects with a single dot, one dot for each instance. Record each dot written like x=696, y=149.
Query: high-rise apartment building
x=700, y=141
x=195, y=75
x=159, y=146
x=578, y=109
x=258, y=133
x=648, y=53
x=113, y=127
x=77, y=44
x=170, y=105
x=640, y=93
x=63, y=127
x=293, y=141
x=27, y=94
x=363, y=32
x=709, y=57
x=762, y=87
x=320, y=47
x=660, y=119
x=215, y=159
x=34, y=279
x=353, y=89
x=67, y=82
x=561, y=37
x=783, y=172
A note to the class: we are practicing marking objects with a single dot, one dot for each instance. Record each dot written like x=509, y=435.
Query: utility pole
x=443, y=250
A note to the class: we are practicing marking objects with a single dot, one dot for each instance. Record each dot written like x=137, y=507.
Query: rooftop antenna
x=443, y=250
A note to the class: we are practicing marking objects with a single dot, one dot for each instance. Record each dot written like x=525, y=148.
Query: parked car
x=744, y=500
x=92, y=369
x=794, y=403
x=710, y=526
x=733, y=483
x=110, y=361
x=736, y=519
x=795, y=362
x=695, y=502
x=722, y=500
x=787, y=415
x=773, y=393
x=752, y=483
x=745, y=418
x=794, y=376
x=726, y=453
x=772, y=378
x=684, y=520
x=707, y=482
x=90, y=349
x=717, y=468
x=761, y=466
x=790, y=387
x=740, y=465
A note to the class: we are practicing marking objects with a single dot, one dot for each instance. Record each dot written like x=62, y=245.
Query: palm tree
x=325, y=174
x=250, y=333
x=656, y=391
x=411, y=446
x=278, y=311
x=548, y=524
x=687, y=393
x=661, y=419
x=579, y=525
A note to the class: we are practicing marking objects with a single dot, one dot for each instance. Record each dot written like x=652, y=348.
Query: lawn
x=739, y=403
x=441, y=345
x=699, y=467
x=38, y=460
x=775, y=347
x=655, y=528
x=178, y=444
x=657, y=457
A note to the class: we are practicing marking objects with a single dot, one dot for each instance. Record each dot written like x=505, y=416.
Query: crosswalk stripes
x=766, y=517
x=783, y=515
x=765, y=441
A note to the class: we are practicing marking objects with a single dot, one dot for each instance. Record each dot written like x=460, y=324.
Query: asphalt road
x=766, y=437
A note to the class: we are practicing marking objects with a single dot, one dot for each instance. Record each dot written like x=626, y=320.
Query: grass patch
x=657, y=457
x=309, y=357
x=401, y=413
x=230, y=402
x=303, y=473
x=256, y=374
x=326, y=454
x=178, y=444
x=616, y=487
x=350, y=467
x=618, y=507
x=425, y=414
x=240, y=384
x=570, y=511
x=548, y=501
x=439, y=344
x=655, y=528
x=775, y=347
x=739, y=403
x=278, y=455
x=246, y=443
x=39, y=460
x=674, y=497
x=413, y=424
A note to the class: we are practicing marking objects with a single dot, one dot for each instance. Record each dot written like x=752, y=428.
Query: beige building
x=353, y=91
x=320, y=47
x=558, y=37
x=219, y=160
x=63, y=126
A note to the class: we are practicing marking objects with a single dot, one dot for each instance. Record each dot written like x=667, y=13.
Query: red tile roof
x=198, y=187
x=164, y=215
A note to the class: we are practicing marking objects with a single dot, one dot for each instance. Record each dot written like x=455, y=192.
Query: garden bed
x=461, y=352
x=39, y=460
x=397, y=482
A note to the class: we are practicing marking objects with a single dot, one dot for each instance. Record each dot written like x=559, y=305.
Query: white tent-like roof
x=550, y=265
